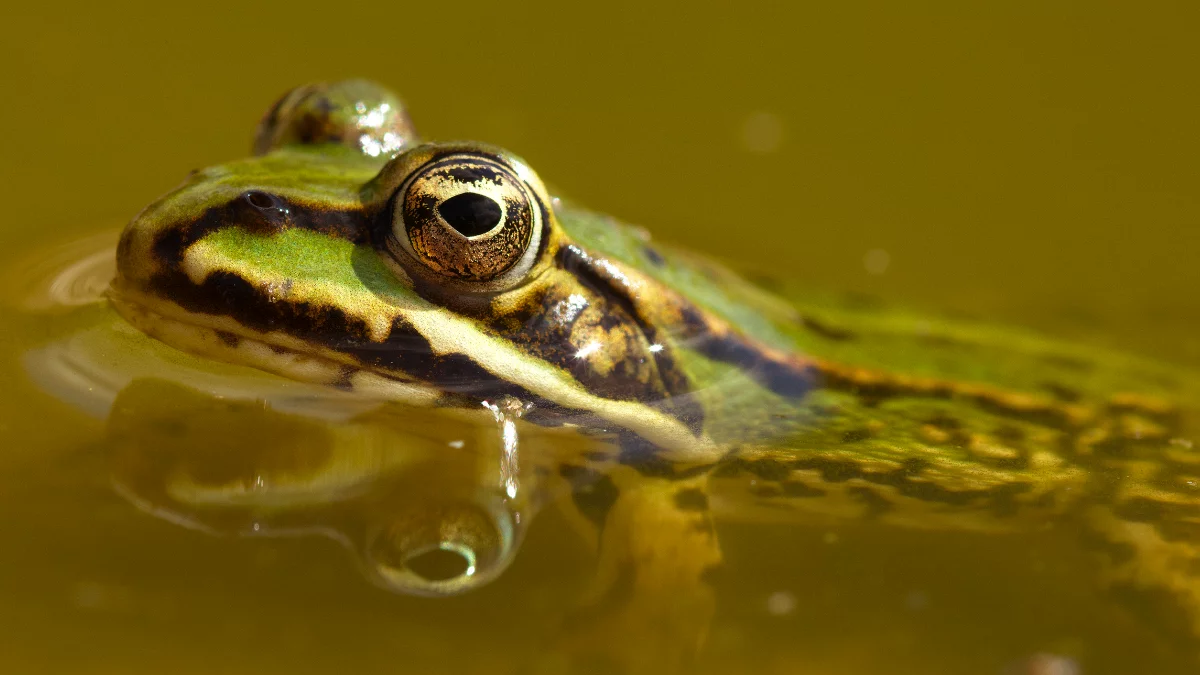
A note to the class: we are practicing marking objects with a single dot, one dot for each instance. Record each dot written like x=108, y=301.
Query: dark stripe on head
x=783, y=378
x=404, y=350
x=826, y=330
x=670, y=389
x=261, y=213
x=652, y=256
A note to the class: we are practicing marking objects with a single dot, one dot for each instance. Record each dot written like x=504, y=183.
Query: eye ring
x=469, y=219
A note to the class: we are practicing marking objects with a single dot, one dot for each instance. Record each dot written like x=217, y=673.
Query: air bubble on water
x=781, y=603
x=761, y=132
x=876, y=261
x=93, y=595
x=916, y=601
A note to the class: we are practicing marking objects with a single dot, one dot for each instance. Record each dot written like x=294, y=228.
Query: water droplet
x=761, y=132
x=876, y=261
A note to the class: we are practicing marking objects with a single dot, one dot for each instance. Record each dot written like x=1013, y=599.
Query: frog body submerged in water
x=347, y=254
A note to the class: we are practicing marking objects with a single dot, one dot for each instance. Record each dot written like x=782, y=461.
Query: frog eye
x=357, y=114
x=469, y=217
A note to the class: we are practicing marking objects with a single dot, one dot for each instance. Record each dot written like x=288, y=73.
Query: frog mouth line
x=224, y=339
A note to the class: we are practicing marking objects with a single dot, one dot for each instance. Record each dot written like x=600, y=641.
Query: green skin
x=686, y=377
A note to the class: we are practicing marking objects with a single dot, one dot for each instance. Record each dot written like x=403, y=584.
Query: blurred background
x=1035, y=160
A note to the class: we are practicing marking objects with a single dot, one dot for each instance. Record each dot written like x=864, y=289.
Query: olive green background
x=1031, y=159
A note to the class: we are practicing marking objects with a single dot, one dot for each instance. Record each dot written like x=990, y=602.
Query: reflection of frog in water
x=420, y=498
x=443, y=281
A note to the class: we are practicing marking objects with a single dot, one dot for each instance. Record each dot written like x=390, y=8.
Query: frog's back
x=863, y=332
x=936, y=422
x=999, y=412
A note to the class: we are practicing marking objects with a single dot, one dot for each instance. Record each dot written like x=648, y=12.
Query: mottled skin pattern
x=694, y=383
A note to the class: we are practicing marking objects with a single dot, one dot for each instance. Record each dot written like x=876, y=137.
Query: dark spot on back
x=794, y=488
x=839, y=471
x=1070, y=362
x=1042, y=415
x=1143, y=509
x=854, y=435
x=826, y=330
x=1004, y=502
x=783, y=378
x=1010, y=434
x=765, y=490
x=900, y=478
x=767, y=469
x=876, y=503
x=1062, y=392
x=913, y=466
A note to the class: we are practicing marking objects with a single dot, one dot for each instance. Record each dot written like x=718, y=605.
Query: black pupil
x=470, y=213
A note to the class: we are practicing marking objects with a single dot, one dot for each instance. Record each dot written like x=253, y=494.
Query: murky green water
x=1036, y=164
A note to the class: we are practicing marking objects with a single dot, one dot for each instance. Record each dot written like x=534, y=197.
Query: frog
x=349, y=256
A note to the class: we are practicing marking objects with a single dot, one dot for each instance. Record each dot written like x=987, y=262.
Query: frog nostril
x=260, y=200
x=471, y=213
